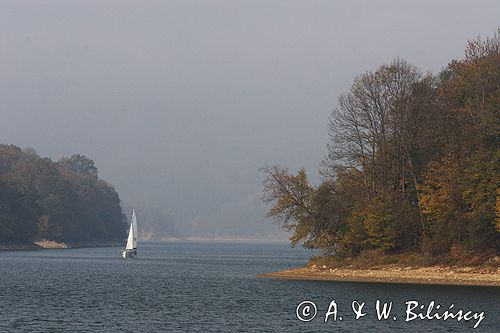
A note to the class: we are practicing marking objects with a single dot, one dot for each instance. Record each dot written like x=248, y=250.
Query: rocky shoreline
x=46, y=244
x=435, y=275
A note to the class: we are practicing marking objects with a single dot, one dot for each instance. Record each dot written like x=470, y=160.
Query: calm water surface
x=204, y=287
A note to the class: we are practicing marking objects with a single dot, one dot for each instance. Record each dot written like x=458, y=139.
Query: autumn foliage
x=61, y=201
x=412, y=163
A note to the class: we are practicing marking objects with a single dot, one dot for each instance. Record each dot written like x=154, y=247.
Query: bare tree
x=374, y=131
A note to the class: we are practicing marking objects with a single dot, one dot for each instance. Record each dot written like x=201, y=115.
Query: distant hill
x=153, y=224
x=64, y=201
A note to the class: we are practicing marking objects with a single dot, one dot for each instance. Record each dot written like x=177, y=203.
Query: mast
x=133, y=227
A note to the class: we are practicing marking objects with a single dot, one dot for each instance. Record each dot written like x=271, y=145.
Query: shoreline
x=436, y=275
x=52, y=245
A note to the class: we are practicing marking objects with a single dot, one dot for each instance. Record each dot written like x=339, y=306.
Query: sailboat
x=131, y=247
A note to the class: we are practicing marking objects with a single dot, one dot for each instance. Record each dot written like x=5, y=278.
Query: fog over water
x=180, y=103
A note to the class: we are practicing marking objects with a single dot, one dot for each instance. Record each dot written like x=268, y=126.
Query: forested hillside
x=61, y=201
x=412, y=163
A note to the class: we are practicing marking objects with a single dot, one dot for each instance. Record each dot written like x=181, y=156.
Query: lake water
x=205, y=287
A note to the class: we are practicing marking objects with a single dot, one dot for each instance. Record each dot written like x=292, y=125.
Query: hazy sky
x=180, y=103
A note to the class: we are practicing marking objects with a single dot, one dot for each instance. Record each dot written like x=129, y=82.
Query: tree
x=462, y=176
x=80, y=164
x=292, y=196
x=412, y=163
x=63, y=201
x=376, y=132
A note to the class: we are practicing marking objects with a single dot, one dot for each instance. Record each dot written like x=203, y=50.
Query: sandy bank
x=463, y=276
x=46, y=244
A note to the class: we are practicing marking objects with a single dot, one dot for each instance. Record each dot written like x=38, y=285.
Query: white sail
x=134, y=228
x=130, y=239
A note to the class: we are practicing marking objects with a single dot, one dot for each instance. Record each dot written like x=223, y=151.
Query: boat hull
x=129, y=254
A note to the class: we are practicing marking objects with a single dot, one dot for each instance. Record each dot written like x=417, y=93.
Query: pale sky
x=180, y=103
